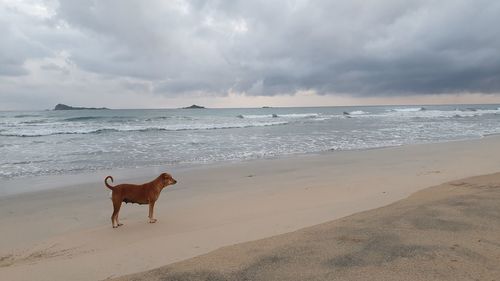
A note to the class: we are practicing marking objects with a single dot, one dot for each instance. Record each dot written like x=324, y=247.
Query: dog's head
x=167, y=179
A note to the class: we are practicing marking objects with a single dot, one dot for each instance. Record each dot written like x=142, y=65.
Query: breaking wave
x=183, y=127
x=292, y=115
x=408, y=109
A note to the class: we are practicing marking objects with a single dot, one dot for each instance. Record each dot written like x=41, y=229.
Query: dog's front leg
x=151, y=209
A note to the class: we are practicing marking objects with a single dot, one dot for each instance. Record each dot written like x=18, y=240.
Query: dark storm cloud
x=363, y=48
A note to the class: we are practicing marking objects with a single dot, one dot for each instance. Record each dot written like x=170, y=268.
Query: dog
x=141, y=194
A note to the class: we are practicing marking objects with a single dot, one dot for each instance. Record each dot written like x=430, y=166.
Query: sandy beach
x=65, y=233
x=446, y=232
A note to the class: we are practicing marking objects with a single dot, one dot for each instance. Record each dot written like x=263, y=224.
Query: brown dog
x=146, y=193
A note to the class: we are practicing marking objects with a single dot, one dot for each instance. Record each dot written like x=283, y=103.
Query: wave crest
x=408, y=109
x=172, y=128
x=291, y=115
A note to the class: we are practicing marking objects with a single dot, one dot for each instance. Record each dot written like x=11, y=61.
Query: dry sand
x=447, y=232
x=66, y=234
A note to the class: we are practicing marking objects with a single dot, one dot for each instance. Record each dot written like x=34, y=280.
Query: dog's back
x=133, y=193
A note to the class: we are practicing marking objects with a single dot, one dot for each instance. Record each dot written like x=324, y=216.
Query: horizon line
x=259, y=107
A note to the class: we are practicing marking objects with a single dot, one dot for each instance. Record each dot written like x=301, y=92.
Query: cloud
x=261, y=48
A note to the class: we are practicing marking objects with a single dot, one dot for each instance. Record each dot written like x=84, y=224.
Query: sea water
x=77, y=141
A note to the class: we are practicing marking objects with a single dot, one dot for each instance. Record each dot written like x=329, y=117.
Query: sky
x=167, y=54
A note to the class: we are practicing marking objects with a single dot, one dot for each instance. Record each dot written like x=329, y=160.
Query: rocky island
x=61, y=106
x=194, y=106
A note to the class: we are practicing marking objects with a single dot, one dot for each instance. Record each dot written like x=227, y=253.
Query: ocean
x=39, y=143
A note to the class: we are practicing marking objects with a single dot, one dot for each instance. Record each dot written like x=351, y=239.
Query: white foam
x=256, y=116
x=415, y=113
x=22, y=131
x=299, y=115
x=357, y=112
x=407, y=109
x=291, y=115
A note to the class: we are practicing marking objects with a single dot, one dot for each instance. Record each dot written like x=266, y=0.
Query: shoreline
x=79, y=144
x=55, y=181
x=65, y=233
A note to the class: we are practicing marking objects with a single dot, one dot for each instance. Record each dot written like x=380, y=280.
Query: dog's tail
x=106, y=182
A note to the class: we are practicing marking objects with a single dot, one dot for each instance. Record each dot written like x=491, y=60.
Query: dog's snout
x=175, y=181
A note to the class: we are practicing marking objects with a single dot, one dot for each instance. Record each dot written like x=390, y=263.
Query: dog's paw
x=152, y=220
x=120, y=224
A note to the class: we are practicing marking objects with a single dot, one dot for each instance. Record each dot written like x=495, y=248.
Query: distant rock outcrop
x=61, y=106
x=194, y=106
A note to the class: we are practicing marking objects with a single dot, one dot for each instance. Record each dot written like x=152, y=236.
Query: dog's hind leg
x=151, y=209
x=114, y=216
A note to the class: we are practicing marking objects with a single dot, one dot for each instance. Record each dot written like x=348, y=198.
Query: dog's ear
x=162, y=179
